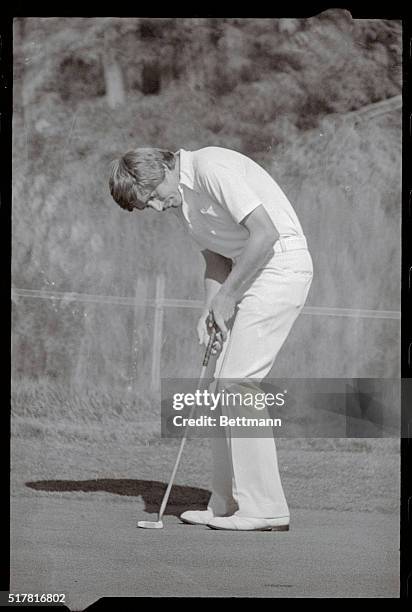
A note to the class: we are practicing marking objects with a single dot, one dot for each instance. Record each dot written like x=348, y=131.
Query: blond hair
x=136, y=173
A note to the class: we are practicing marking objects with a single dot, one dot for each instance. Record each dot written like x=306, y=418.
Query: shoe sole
x=191, y=522
x=276, y=528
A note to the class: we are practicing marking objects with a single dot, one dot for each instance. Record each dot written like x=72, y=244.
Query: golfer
x=258, y=272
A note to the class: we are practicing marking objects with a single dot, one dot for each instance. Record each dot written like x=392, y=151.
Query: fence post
x=158, y=332
x=81, y=372
x=138, y=324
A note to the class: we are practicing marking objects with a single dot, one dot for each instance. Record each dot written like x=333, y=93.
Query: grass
x=45, y=409
x=58, y=433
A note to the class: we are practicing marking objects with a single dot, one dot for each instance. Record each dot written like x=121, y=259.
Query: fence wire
x=68, y=297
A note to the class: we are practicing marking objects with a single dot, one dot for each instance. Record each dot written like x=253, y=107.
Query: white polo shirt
x=219, y=187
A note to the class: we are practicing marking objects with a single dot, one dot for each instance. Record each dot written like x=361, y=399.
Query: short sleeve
x=228, y=188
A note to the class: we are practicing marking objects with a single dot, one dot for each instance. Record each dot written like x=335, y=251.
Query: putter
x=159, y=523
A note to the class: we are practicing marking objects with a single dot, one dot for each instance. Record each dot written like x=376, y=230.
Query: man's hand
x=204, y=330
x=222, y=309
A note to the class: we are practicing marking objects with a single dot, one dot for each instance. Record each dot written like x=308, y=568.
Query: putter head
x=150, y=524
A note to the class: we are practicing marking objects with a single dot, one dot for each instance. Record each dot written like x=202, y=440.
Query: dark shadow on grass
x=181, y=497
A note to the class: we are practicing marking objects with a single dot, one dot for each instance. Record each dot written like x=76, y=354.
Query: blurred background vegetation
x=278, y=90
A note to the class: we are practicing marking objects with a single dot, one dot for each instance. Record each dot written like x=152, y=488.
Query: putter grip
x=209, y=347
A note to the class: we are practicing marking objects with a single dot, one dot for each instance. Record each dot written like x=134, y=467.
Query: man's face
x=166, y=194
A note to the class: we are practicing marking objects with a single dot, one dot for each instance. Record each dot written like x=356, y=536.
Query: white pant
x=246, y=477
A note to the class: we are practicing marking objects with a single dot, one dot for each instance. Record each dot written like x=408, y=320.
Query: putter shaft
x=182, y=444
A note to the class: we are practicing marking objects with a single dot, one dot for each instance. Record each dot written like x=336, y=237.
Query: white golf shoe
x=243, y=523
x=197, y=517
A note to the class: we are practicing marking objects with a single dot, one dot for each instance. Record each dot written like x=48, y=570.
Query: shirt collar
x=187, y=176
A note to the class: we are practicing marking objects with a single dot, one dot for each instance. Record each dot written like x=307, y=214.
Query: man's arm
x=217, y=269
x=258, y=250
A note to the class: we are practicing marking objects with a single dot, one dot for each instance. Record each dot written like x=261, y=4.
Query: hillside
x=273, y=89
